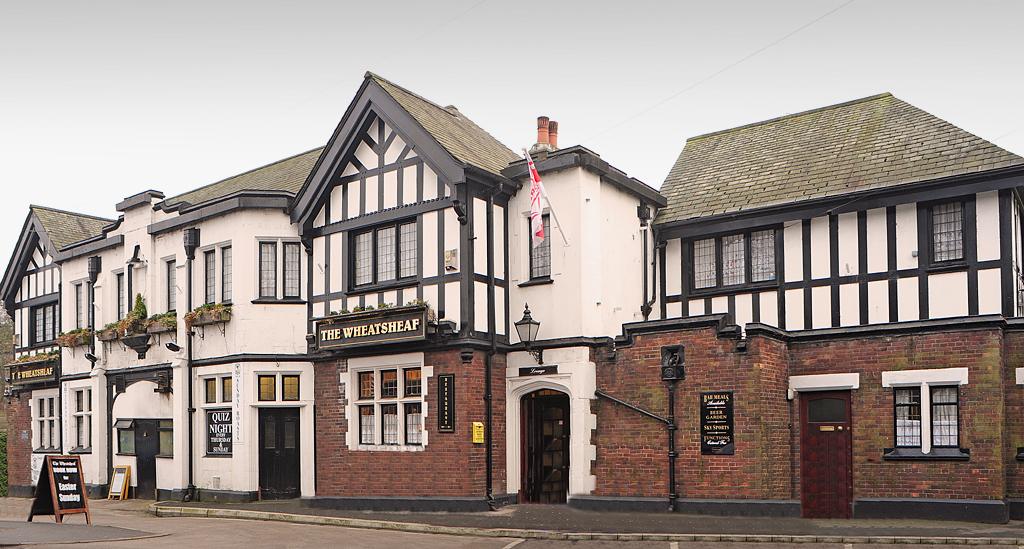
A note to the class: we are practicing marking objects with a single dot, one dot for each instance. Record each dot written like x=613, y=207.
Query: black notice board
x=60, y=490
x=218, y=432
x=446, y=403
x=716, y=424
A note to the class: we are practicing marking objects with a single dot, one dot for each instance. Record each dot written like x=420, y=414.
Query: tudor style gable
x=387, y=213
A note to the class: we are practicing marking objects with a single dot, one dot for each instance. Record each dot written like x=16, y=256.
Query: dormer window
x=385, y=254
x=734, y=259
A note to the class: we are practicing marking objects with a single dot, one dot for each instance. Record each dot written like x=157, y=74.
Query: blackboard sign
x=218, y=432
x=60, y=490
x=446, y=403
x=716, y=424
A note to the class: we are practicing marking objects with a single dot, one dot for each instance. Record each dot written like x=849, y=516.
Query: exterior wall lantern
x=527, y=329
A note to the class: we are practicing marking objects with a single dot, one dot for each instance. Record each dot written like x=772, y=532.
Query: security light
x=172, y=346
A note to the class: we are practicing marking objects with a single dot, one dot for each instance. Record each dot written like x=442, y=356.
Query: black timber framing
x=862, y=265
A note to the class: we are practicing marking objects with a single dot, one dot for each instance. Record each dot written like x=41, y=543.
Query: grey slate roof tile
x=64, y=228
x=870, y=143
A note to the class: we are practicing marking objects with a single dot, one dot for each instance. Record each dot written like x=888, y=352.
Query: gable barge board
x=938, y=189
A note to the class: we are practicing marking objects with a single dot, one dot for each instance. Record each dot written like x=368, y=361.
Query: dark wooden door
x=147, y=445
x=826, y=471
x=279, y=453
x=545, y=447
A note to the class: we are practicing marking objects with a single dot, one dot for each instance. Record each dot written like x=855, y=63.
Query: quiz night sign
x=373, y=328
x=218, y=432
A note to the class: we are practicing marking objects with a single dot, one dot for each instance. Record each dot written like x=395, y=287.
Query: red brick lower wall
x=449, y=465
x=631, y=449
x=981, y=411
x=19, y=441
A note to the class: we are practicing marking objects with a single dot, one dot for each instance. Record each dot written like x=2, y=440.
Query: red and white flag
x=536, y=191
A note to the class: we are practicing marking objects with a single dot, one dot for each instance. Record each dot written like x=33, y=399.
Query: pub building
x=816, y=315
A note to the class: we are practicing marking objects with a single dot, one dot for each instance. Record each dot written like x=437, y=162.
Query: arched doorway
x=545, y=447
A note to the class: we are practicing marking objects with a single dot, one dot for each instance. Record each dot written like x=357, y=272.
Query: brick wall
x=981, y=411
x=631, y=449
x=19, y=441
x=449, y=465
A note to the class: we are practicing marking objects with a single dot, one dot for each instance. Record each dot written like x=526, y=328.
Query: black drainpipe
x=491, y=351
x=191, y=241
x=644, y=213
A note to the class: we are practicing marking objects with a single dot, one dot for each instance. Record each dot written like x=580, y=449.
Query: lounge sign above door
x=372, y=328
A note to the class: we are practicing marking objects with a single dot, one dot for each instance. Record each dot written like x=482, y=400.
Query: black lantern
x=527, y=329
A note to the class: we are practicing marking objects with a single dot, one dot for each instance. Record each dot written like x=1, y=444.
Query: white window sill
x=389, y=448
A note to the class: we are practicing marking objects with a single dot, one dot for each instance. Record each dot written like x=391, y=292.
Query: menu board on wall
x=716, y=424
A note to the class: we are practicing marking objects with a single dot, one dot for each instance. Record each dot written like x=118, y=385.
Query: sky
x=100, y=100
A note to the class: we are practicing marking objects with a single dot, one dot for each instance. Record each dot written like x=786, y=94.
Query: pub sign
x=716, y=424
x=31, y=372
x=372, y=328
x=446, y=403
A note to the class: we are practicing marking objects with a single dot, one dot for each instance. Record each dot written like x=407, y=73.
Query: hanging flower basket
x=162, y=324
x=109, y=334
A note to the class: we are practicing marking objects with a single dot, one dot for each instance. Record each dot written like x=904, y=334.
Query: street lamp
x=527, y=329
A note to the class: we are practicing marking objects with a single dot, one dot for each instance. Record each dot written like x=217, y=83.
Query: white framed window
x=79, y=306
x=226, y=284
x=210, y=278
x=387, y=402
x=279, y=269
x=45, y=424
x=82, y=415
x=172, y=285
x=926, y=407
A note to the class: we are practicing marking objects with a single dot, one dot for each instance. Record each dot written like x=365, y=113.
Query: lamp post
x=527, y=329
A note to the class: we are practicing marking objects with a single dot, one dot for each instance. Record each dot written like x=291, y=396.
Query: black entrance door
x=545, y=447
x=279, y=453
x=147, y=445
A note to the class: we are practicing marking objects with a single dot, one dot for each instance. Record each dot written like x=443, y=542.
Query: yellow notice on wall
x=478, y=432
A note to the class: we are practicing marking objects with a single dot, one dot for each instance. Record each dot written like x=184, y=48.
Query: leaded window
x=705, y=272
x=47, y=428
x=291, y=269
x=540, y=254
x=385, y=254
x=409, y=251
x=79, y=307
x=268, y=270
x=734, y=265
x=908, y=417
x=44, y=324
x=210, y=264
x=226, y=286
x=365, y=385
x=121, y=302
x=734, y=259
x=413, y=384
x=366, y=423
x=947, y=232
x=388, y=384
x=172, y=286
x=762, y=255
x=83, y=419
x=945, y=417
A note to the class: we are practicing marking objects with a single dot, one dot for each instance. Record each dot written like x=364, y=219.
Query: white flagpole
x=551, y=208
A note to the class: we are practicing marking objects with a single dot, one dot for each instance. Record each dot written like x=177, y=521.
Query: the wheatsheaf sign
x=31, y=372
x=372, y=328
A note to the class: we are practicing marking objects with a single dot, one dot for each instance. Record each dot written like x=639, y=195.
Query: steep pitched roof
x=285, y=175
x=870, y=143
x=460, y=136
x=64, y=228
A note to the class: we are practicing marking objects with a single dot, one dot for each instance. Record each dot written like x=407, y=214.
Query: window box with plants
x=410, y=306
x=162, y=323
x=210, y=313
x=37, y=358
x=75, y=338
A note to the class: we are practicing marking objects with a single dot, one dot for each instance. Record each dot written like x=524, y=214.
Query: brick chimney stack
x=546, y=129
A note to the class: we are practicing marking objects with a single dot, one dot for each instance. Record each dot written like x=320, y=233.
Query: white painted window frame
x=42, y=415
x=923, y=380
x=350, y=389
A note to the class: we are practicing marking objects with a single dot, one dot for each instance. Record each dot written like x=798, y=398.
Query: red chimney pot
x=542, y=130
x=553, y=134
